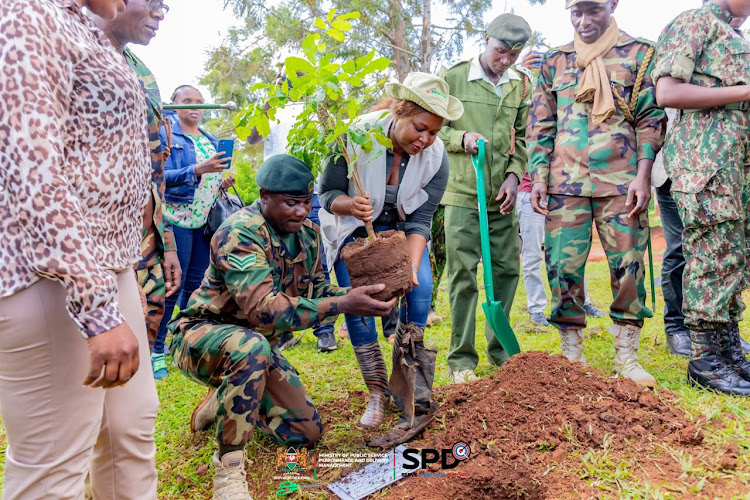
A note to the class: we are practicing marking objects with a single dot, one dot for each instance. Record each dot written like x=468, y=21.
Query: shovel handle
x=477, y=161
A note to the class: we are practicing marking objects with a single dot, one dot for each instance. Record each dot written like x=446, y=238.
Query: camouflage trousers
x=256, y=385
x=151, y=281
x=437, y=251
x=567, y=242
x=716, y=244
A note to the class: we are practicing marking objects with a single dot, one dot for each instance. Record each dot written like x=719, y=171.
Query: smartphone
x=226, y=146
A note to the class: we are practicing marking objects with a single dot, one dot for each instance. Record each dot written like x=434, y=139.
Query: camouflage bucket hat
x=428, y=91
x=573, y=2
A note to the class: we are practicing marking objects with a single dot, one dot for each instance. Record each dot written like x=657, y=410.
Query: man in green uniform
x=702, y=70
x=158, y=272
x=594, y=132
x=494, y=93
x=265, y=278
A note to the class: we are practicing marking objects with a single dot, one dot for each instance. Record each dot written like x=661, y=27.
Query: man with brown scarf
x=593, y=135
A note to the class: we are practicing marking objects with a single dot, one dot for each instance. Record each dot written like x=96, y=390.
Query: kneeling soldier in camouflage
x=265, y=278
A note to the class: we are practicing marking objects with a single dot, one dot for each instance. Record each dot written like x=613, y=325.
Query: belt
x=736, y=106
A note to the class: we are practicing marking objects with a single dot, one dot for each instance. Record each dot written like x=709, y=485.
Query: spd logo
x=448, y=458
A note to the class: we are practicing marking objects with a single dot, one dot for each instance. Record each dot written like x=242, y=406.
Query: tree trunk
x=425, y=55
x=398, y=36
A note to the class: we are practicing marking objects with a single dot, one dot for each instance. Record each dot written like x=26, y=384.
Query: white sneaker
x=462, y=376
x=205, y=413
x=230, y=478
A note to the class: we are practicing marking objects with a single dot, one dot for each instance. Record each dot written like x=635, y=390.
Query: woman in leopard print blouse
x=74, y=178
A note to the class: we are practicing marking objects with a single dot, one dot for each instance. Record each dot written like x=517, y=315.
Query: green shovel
x=493, y=309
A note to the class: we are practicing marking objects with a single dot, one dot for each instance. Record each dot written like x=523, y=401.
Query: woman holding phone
x=193, y=175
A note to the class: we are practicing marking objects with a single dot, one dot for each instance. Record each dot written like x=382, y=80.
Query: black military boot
x=678, y=343
x=708, y=369
x=731, y=351
x=745, y=345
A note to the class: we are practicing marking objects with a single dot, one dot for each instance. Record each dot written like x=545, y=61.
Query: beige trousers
x=57, y=429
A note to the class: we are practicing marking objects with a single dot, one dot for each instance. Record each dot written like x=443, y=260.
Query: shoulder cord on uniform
x=168, y=129
x=628, y=110
x=513, y=128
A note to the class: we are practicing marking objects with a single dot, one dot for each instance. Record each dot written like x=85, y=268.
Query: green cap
x=285, y=174
x=510, y=29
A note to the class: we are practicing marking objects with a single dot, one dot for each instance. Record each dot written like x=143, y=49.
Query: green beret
x=286, y=174
x=510, y=29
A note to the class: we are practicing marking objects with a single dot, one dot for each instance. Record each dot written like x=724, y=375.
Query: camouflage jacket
x=701, y=48
x=156, y=233
x=252, y=281
x=566, y=152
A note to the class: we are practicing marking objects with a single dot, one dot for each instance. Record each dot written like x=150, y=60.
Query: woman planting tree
x=404, y=185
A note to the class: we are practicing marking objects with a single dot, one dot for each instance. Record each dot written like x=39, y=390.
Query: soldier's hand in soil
x=507, y=193
x=361, y=208
x=470, y=142
x=217, y=163
x=539, y=198
x=113, y=357
x=639, y=193
x=172, y=273
x=359, y=302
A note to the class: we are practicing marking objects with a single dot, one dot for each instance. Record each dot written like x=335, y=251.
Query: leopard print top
x=74, y=158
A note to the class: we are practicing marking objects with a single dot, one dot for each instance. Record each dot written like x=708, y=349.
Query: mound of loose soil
x=382, y=260
x=525, y=420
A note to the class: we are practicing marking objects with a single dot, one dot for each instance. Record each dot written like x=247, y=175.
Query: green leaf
x=331, y=15
x=355, y=81
x=320, y=24
x=357, y=136
x=341, y=25
x=351, y=15
x=308, y=46
x=336, y=34
x=363, y=60
x=349, y=66
x=379, y=64
x=294, y=65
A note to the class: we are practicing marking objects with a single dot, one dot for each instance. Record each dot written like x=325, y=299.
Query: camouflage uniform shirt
x=570, y=155
x=156, y=233
x=701, y=48
x=253, y=281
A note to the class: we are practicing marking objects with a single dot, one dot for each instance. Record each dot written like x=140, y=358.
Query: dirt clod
x=382, y=260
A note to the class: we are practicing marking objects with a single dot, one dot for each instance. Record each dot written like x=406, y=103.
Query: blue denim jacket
x=179, y=169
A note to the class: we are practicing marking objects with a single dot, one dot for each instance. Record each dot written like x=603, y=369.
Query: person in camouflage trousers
x=158, y=273
x=590, y=163
x=702, y=69
x=265, y=277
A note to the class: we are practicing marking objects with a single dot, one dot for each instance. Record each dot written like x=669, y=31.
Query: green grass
x=332, y=376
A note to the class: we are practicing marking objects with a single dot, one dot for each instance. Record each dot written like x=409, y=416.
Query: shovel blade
x=500, y=326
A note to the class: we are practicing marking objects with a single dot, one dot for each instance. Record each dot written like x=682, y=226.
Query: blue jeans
x=194, y=254
x=673, y=261
x=313, y=216
x=414, y=307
